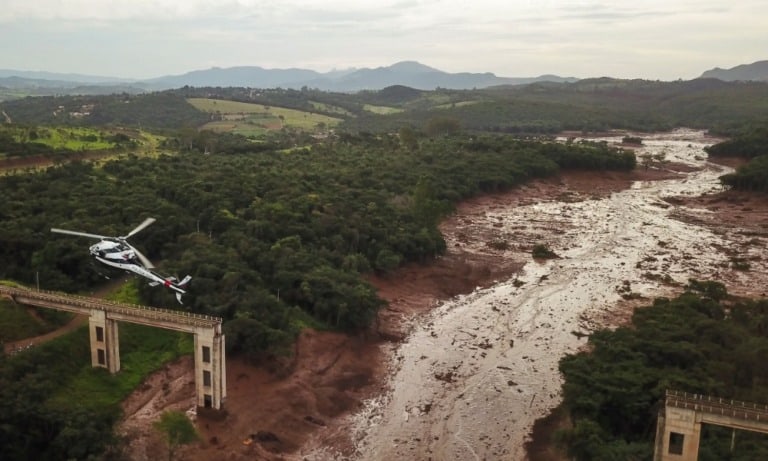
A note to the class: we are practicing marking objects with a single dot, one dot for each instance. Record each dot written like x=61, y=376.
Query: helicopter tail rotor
x=182, y=284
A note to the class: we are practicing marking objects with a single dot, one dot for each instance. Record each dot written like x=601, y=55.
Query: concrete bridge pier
x=210, y=367
x=105, y=342
x=678, y=432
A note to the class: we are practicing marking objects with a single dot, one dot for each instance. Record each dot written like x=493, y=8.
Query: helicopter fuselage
x=113, y=251
x=132, y=264
x=116, y=252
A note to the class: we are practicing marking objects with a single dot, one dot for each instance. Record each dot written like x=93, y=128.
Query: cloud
x=663, y=38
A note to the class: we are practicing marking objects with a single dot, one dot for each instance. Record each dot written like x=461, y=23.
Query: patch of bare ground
x=12, y=164
x=279, y=410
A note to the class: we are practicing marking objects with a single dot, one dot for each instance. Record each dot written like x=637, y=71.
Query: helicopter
x=118, y=253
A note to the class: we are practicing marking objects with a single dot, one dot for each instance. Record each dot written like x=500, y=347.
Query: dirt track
x=302, y=410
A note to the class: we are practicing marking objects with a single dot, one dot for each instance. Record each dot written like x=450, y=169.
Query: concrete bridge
x=679, y=425
x=103, y=318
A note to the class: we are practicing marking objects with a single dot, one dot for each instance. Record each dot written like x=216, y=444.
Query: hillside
x=541, y=108
x=757, y=71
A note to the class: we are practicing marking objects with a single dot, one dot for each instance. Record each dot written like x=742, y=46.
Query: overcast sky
x=651, y=39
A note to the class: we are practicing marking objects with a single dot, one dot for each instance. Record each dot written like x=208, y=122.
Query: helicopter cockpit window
x=119, y=248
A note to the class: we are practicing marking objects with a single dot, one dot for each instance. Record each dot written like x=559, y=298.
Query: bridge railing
x=153, y=313
x=718, y=406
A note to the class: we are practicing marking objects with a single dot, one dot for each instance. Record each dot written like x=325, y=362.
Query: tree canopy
x=271, y=238
x=752, y=143
x=697, y=343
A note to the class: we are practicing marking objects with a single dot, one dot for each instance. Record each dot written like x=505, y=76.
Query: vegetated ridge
x=756, y=71
x=408, y=73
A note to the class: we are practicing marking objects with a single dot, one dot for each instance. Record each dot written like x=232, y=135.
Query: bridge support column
x=210, y=368
x=105, y=342
x=677, y=435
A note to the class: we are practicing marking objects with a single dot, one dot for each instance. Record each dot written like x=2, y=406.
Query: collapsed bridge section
x=679, y=423
x=103, y=318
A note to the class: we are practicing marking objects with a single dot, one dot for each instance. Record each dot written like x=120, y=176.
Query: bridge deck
x=82, y=304
x=718, y=406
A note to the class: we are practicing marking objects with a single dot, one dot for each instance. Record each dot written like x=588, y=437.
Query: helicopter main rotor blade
x=144, y=260
x=82, y=234
x=140, y=227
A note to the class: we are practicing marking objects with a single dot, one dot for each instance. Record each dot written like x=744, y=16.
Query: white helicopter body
x=118, y=253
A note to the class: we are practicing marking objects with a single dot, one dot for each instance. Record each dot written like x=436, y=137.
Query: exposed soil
x=41, y=161
x=282, y=412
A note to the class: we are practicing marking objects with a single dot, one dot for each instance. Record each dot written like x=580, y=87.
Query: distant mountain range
x=406, y=73
x=745, y=72
x=14, y=83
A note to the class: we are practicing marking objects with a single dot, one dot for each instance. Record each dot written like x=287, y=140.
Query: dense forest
x=701, y=342
x=157, y=111
x=751, y=143
x=272, y=239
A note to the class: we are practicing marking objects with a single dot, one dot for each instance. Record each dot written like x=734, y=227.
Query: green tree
x=437, y=126
x=177, y=430
x=408, y=138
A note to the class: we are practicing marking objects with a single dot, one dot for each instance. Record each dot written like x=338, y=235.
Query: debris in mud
x=447, y=377
x=486, y=344
x=313, y=420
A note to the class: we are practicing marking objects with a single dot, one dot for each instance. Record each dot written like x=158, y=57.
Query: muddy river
x=474, y=374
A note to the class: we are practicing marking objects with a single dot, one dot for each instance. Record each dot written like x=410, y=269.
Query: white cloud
x=643, y=38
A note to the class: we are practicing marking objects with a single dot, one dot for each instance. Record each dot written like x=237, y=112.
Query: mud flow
x=475, y=373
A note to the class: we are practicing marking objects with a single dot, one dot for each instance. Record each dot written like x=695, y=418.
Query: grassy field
x=74, y=138
x=19, y=322
x=143, y=350
x=142, y=144
x=256, y=119
x=381, y=109
x=451, y=105
x=328, y=108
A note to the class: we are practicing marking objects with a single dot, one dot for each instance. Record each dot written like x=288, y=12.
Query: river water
x=473, y=375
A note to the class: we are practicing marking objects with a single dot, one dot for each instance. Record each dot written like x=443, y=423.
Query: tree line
x=703, y=342
x=751, y=143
